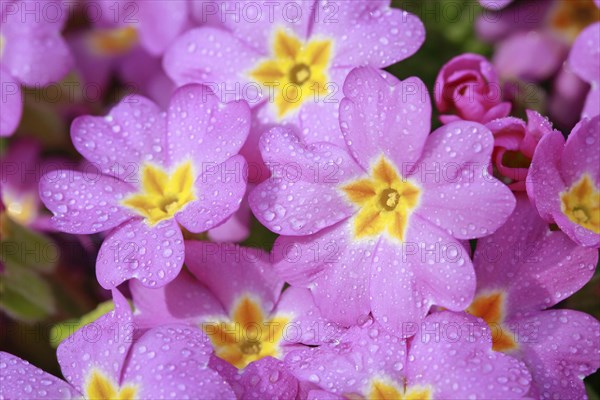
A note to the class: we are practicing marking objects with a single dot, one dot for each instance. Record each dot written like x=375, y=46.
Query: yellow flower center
x=163, y=195
x=22, y=209
x=490, y=308
x=113, y=42
x=101, y=387
x=581, y=204
x=297, y=72
x=248, y=336
x=386, y=202
x=387, y=389
x=569, y=17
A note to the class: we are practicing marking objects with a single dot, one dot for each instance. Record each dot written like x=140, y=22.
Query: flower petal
x=296, y=16
x=309, y=327
x=369, y=32
x=34, y=57
x=584, y=58
x=102, y=345
x=204, y=55
x=172, y=361
x=84, y=202
x=580, y=154
x=268, y=378
x=343, y=367
x=21, y=380
x=184, y=299
x=229, y=271
x=381, y=114
x=151, y=254
x=160, y=22
x=560, y=347
x=430, y=268
x=453, y=171
x=12, y=103
x=219, y=190
x=301, y=197
x=544, y=182
x=460, y=346
x=133, y=132
x=534, y=265
x=204, y=129
x=335, y=268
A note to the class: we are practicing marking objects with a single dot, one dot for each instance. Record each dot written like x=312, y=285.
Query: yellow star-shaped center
x=101, y=387
x=296, y=71
x=386, y=202
x=248, y=336
x=581, y=203
x=162, y=195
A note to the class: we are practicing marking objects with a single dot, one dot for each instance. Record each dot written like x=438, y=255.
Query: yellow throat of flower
x=101, y=387
x=386, y=202
x=490, y=308
x=113, y=42
x=161, y=195
x=387, y=389
x=569, y=17
x=22, y=209
x=2, y=44
x=581, y=203
x=297, y=72
x=248, y=336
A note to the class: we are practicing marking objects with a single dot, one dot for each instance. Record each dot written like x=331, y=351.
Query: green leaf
x=26, y=248
x=63, y=330
x=24, y=295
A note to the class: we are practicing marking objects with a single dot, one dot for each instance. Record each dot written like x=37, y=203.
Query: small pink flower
x=32, y=53
x=376, y=227
x=151, y=172
x=234, y=294
x=514, y=145
x=524, y=269
x=105, y=360
x=291, y=68
x=128, y=39
x=467, y=88
x=152, y=24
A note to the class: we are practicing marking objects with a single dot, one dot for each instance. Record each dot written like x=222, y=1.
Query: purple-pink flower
x=152, y=24
x=20, y=172
x=533, y=39
x=522, y=270
x=104, y=360
x=234, y=295
x=128, y=39
x=585, y=62
x=289, y=59
x=564, y=181
x=150, y=172
x=376, y=227
x=32, y=53
x=468, y=88
x=449, y=357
